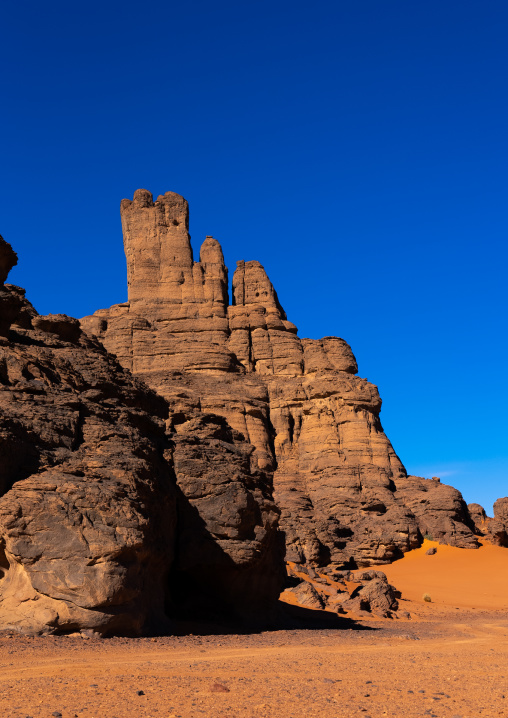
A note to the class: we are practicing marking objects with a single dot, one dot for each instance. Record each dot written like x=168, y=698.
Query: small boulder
x=307, y=596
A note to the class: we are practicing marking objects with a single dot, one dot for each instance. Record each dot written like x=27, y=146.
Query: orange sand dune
x=457, y=577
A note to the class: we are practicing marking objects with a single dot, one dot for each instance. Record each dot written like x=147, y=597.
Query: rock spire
x=314, y=425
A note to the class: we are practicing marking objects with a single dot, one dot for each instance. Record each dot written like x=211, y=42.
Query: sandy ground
x=451, y=660
x=454, y=577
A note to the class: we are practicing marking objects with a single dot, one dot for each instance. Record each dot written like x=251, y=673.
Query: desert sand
x=453, y=577
x=450, y=660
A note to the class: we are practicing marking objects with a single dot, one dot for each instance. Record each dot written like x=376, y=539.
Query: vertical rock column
x=173, y=333
x=261, y=337
x=157, y=248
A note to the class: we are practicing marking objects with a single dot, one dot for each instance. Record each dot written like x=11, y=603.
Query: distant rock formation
x=344, y=496
x=493, y=529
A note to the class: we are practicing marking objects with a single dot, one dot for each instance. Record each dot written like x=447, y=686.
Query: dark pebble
x=140, y=693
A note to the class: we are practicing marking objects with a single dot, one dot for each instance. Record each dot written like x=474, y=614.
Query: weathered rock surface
x=87, y=507
x=501, y=511
x=351, y=592
x=344, y=496
x=493, y=529
x=441, y=512
x=91, y=503
x=230, y=553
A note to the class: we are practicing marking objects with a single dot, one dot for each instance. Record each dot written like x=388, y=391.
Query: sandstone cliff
x=344, y=496
x=95, y=532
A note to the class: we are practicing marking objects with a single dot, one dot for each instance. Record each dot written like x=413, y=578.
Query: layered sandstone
x=87, y=499
x=96, y=533
x=344, y=496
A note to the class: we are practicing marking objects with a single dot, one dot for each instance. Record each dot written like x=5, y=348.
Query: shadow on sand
x=285, y=618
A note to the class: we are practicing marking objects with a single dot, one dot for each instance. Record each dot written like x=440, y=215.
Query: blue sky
x=358, y=150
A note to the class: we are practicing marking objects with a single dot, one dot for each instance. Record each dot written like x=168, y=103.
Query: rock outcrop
x=440, y=510
x=357, y=593
x=87, y=499
x=96, y=532
x=230, y=553
x=344, y=496
x=493, y=529
x=9, y=303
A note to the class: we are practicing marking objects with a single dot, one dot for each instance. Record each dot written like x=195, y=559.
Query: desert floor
x=451, y=660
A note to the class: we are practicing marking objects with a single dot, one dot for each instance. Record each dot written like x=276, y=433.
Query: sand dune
x=454, y=577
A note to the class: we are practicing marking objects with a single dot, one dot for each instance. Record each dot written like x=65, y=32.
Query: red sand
x=450, y=661
x=453, y=577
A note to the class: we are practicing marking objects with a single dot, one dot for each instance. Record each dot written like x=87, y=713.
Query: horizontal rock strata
x=97, y=531
x=344, y=496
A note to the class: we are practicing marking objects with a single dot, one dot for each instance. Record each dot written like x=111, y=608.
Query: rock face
x=96, y=530
x=9, y=303
x=493, y=529
x=344, y=496
x=441, y=512
x=87, y=499
x=230, y=553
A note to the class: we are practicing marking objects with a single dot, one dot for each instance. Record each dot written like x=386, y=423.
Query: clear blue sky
x=357, y=149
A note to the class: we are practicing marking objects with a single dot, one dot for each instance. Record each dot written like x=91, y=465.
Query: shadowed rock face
x=87, y=499
x=230, y=554
x=9, y=303
x=8, y=259
x=344, y=496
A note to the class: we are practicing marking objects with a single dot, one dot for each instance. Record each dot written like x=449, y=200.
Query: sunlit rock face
x=344, y=496
x=108, y=522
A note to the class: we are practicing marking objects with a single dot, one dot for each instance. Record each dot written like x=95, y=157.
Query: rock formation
x=493, y=529
x=440, y=510
x=344, y=496
x=122, y=505
x=87, y=507
x=356, y=593
x=95, y=533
